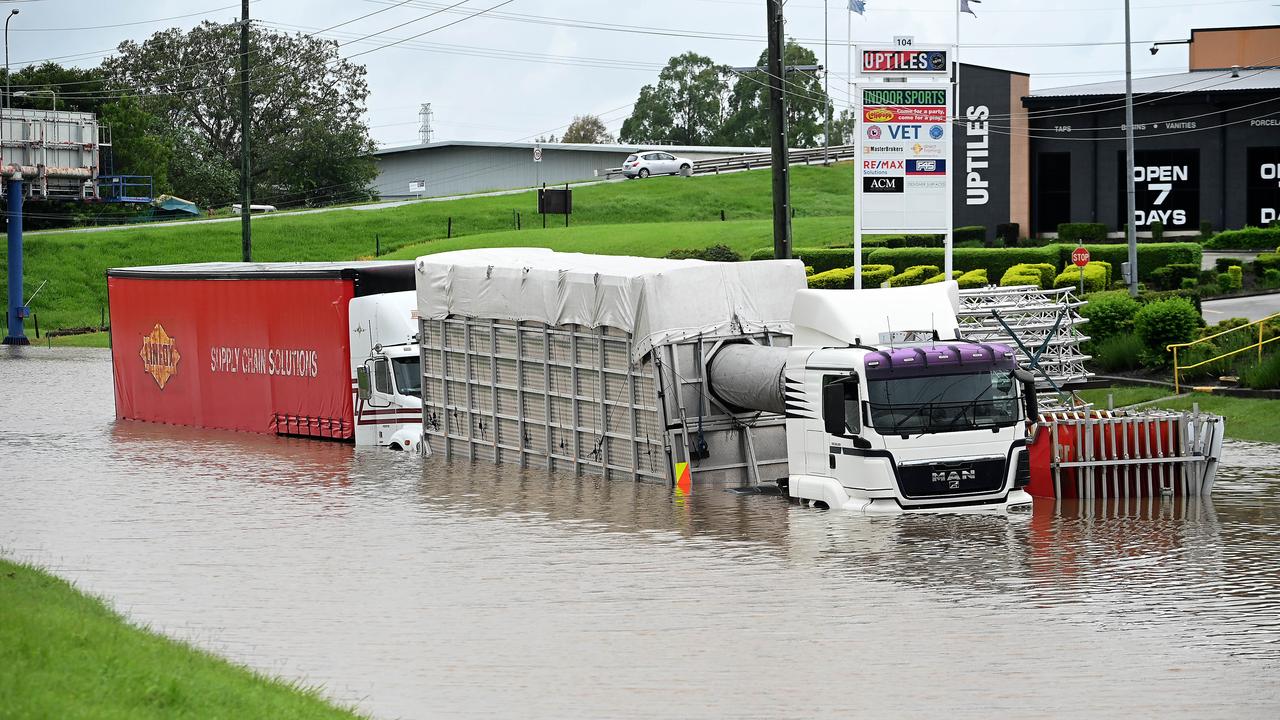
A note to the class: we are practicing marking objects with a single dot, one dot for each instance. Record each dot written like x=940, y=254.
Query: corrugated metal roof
x=588, y=147
x=1194, y=81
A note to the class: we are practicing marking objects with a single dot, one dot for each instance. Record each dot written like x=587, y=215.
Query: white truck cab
x=386, y=370
x=886, y=408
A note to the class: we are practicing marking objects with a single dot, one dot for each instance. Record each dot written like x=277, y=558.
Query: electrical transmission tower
x=425, y=132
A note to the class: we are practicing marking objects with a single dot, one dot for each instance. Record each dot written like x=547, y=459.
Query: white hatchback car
x=655, y=162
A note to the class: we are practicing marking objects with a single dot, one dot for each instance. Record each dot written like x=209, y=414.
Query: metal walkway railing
x=1260, y=324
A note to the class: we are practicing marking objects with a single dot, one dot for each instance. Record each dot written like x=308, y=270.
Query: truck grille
x=954, y=478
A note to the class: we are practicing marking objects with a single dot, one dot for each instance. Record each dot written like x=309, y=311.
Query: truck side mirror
x=363, y=390
x=833, y=408
x=1029, y=400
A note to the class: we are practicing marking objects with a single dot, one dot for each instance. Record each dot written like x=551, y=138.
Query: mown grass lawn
x=75, y=263
x=64, y=654
x=1252, y=419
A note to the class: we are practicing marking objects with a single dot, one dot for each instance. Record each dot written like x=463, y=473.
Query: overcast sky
x=530, y=65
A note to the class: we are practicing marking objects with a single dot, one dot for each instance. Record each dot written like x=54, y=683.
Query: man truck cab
x=386, y=369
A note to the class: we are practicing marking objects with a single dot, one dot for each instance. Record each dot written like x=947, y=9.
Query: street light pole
x=1131, y=232
x=8, y=101
x=826, y=87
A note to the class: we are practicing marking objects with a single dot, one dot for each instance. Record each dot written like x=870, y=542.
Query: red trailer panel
x=260, y=348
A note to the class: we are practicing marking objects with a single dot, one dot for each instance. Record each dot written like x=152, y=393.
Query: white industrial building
x=462, y=166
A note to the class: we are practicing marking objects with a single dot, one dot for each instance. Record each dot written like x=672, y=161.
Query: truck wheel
x=396, y=447
x=644, y=172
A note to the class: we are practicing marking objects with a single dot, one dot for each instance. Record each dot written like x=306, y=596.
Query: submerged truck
x=674, y=371
x=685, y=371
x=321, y=350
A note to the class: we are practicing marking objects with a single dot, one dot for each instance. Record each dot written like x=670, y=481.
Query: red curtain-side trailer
x=258, y=347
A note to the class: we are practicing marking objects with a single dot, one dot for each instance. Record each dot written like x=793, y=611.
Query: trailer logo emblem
x=160, y=355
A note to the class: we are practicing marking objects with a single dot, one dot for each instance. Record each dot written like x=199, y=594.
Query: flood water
x=416, y=588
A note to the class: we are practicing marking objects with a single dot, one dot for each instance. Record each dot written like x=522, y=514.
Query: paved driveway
x=1250, y=308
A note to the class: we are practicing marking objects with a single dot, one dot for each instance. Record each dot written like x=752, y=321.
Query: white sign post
x=903, y=177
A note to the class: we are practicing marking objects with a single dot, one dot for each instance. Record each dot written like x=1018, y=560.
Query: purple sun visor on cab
x=938, y=359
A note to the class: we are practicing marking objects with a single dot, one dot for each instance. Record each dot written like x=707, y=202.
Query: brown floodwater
x=417, y=588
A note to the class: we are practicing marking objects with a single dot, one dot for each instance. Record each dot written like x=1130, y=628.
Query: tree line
x=172, y=105
x=698, y=102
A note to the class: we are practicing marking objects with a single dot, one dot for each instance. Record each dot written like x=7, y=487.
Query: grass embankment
x=74, y=263
x=1252, y=419
x=65, y=654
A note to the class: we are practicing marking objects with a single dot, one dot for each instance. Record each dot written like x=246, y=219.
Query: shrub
x=1119, y=353
x=1162, y=323
x=1190, y=283
x=973, y=279
x=1171, y=276
x=914, y=275
x=1021, y=274
x=1109, y=314
x=955, y=275
x=1191, y=296
x=1221, y=264
x=1264, y=375
x=1008, y=233
x=1095, y=277
x=1265, y=262
x=713, y=253
x=969, y=233
x=1237, y=276
x=1249, y=238
x=1157, y=231
x=1206, y=230
x=1271, y=278
x=1082, y=232
x=808, y=270
x=1038, y=274
x=873, y=276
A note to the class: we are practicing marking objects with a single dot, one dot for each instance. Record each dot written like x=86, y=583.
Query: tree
x=843, y=128
x=140, y=143
x=685, y=107
x=307, y=108
x=748, y=115
x=75, y=89
x=587, y=129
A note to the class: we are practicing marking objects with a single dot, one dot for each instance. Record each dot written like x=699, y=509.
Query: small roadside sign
x=1080, y=256
x=537, y=154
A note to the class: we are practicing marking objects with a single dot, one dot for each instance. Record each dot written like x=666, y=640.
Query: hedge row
x=873, y=276
x=1082, y=232
x=973, y=279
x=997, y=261
x=1249, y=238
x=1267, y=261
x=1170, y=277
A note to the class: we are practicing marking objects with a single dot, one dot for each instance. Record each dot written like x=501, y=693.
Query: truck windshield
x=408, y=375
x=943, y=403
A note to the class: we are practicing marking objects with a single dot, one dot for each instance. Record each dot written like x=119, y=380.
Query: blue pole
x=17, y=311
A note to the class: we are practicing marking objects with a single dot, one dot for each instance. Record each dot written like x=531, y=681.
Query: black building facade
x=1207, y=144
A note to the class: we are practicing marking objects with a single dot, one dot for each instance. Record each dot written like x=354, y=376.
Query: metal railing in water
x=1178, y=368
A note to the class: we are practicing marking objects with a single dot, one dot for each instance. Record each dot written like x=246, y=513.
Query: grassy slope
x=74, y=263
x=1247, y=418
x=651, y=239
x=67, y=655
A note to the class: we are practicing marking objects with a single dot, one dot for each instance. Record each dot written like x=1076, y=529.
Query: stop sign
x=1080, y=256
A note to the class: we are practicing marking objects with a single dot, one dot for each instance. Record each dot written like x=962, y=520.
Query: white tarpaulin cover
x=652, y=299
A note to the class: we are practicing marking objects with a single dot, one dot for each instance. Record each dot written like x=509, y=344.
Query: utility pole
x=1130, y=231
x=246, y=232
x=826, y=87
x=778, y=134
